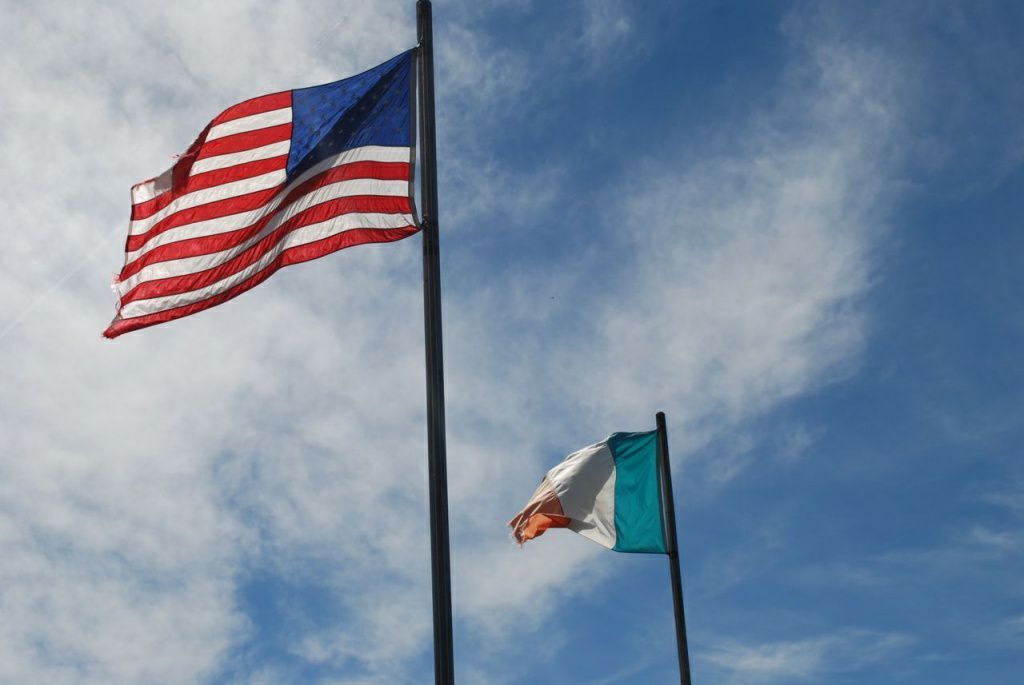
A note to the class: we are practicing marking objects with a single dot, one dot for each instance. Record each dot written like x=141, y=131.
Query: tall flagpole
x=444, y=670
x=672, y=546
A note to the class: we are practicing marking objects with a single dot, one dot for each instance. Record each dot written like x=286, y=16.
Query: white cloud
x=735, y=270
x=607, y=31
x=965, y=136
x=803, y=660
x=997, y=541
x=1007, y=633
x=1009, y=497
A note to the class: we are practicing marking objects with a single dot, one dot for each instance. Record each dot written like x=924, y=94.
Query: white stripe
x=253, y=122
x=190, y=265
x=585, y=485
x=233, y=222
x=207, y=195
x=235, y=158
x=301, y=236
x=154, y=187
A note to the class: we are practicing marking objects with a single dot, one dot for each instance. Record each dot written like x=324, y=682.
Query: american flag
x=272, y=181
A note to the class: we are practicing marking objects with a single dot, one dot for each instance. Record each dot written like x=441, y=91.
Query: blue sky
x=793, y=227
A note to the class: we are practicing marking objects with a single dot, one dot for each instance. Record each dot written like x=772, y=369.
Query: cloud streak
x=804, y=660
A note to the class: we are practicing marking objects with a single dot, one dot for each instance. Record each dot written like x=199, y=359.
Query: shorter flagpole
x=668, y=512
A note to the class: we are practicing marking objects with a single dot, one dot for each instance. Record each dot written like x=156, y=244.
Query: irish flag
x=608, y=492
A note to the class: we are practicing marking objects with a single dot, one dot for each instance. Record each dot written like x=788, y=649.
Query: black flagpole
x=672, y=546
x=444, y=670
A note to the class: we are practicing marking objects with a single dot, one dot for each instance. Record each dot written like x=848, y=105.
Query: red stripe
x=247, y=140
x=173, y=285
x=209, y=179
x=295, y=255
x=211, y=210
x=263, y=103
x=396, y=171
x=193, y=247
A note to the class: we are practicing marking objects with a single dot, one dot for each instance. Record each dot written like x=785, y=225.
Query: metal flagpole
x=668, y=512
x=444, y=671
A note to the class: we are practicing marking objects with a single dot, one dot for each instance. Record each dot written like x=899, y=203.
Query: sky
x=793, y=227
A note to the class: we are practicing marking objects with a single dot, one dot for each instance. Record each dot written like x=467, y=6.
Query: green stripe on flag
x=637, y=504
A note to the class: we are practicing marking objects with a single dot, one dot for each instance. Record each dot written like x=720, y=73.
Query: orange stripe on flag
x=543, y=511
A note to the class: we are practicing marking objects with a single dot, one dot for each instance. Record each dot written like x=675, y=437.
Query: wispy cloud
x=1009, y=497
x=1007, y=633
x=998, y=541
x=805, y=659
x=608, y=31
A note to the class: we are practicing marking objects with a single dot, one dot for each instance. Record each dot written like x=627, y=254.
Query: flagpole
x=672, y=546
x=444, y=671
